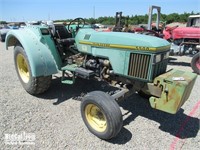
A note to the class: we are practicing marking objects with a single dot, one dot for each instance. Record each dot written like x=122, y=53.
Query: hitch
x=123, y=94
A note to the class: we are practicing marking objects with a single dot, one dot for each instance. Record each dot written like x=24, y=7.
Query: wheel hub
x=22, y=67
x=95, y=118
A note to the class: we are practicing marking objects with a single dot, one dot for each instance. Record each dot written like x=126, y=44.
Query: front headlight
x=157, y=58
x=161, y=57
x=166, y=55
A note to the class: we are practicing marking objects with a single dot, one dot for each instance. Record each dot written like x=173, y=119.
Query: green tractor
x=129, y=62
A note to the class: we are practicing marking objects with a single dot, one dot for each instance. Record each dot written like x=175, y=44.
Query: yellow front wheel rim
x=95, y=117
x=22, y=67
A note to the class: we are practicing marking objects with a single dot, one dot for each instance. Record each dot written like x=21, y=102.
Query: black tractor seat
x=66, y=42
x=63, y=36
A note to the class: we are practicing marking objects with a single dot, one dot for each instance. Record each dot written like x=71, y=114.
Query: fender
x=40, y=49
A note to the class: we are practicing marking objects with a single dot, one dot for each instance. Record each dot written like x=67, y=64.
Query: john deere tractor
x=129, y=62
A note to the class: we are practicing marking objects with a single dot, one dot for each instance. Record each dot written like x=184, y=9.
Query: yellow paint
x=95, y=118
x=23, y=68
x=125, y=46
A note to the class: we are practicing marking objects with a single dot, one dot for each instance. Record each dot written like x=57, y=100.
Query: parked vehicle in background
x=185, y=40
x=98, y=25
x=120, y=22
x=4, y=30
x=193, y=21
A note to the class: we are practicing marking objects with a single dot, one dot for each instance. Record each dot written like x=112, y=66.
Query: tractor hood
x=186, y=32
x=87, y=38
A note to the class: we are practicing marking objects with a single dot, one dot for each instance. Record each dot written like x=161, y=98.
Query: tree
x=3, y=22
x=140, y=19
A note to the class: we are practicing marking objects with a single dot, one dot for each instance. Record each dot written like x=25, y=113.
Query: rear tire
x=101, y=114
x=195, y=63
x=33, y=85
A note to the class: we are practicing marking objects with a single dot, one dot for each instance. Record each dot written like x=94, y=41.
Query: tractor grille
x=159, y=68
x=139, y=65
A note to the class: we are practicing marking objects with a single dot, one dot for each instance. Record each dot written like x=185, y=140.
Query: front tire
x=195, y=63
x=33, y=85
x=101, y=114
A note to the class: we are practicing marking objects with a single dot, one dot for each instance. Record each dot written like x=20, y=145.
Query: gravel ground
x=54, y=117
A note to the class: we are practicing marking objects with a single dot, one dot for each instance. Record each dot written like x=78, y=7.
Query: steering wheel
x=79, y=21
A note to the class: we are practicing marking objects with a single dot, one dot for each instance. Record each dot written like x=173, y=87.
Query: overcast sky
x=27, y=10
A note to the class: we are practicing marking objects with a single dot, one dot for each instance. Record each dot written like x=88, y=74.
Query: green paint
x=177, y=86
x=41, y=54
x=117, y=47
x=121, y=40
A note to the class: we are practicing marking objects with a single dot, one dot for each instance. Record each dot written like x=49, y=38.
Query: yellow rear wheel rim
x=22, y=67
x=95, y=117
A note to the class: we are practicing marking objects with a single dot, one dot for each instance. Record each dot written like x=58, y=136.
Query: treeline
x=135, y=20
x=139, y=19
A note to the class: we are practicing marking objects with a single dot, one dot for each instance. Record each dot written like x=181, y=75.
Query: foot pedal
x=71, y=67
x=67, y=78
